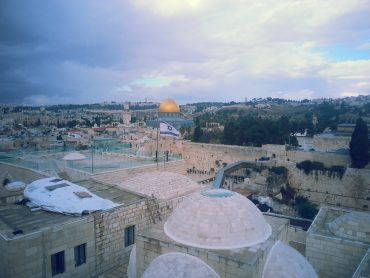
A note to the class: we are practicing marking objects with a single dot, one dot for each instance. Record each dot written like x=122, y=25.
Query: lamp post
x=92, y=157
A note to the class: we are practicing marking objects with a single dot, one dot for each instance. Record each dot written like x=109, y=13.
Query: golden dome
x=169, y=106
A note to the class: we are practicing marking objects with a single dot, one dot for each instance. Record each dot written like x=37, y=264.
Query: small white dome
x=74, y=156
x=285, y=262
x=163, y=185
x=217, y=219
x=178, y=265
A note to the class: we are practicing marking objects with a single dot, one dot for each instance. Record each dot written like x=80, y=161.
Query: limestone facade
x=244, y=262
x=29, y=253
x=352, y=190
x=330, y=255
x=330, y=144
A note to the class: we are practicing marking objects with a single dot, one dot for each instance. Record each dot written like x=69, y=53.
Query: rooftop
x=20, y=217
x=163, y=185
x=340, y=222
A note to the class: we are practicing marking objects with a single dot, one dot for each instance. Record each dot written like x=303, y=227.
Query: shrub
x=281, y=170
x=305, y=208
x=308, y=166
x=288, y=193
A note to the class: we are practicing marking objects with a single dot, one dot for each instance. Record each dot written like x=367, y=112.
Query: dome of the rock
x=169, y=106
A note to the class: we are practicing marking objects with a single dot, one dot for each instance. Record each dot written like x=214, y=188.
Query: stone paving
x=163, y=185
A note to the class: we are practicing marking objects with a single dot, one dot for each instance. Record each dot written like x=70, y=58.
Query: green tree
x=133, y=120
x=197, y=134
x=359, y=145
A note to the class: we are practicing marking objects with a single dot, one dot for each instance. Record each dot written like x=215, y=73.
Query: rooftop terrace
x=21, y=220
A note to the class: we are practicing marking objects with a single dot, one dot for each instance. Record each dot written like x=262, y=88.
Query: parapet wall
x=19, y=173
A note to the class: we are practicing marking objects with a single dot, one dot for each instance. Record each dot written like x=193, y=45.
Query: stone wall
x=204, y=156
x=30, y=255
x=328, y=144
x=352, y=191
x=148, y=249
x=329, y=159
x=297, y=239
x=19, y=173
x=334, y=257
x=110, y=226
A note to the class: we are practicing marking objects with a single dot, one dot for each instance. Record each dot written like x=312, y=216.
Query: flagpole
x=157, y=153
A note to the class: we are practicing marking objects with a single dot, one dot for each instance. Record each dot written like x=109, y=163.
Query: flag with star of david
x=168, y=130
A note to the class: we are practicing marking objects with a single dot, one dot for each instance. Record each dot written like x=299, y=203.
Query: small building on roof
x=337, y=241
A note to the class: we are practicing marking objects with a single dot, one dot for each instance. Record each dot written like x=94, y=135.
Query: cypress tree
x=359, y=145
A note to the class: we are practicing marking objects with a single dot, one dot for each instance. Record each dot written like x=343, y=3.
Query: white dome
x=163, y=185
x=74, y=156
x=217, y=219
x=178, y=265
x=285, y=262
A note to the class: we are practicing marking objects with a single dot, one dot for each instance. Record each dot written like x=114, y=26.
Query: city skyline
x=87, y=52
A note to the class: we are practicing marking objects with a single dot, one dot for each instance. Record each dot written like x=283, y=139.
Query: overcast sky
x=72, y=51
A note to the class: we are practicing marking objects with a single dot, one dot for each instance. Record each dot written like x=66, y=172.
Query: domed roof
x=353, y=225
x=217, y=219
x=169, y=106
x=163, y=185
x=74, y=156
x=284, y=262
x=179, y=265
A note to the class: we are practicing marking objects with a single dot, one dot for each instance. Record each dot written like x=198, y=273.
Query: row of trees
x=249, y=131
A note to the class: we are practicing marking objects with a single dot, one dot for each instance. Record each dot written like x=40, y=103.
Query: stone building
x=126, y=115
x=43, y=244
x=222, y=234
x=337, y=242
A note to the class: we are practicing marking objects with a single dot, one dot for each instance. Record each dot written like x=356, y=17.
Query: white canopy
x=58, y=195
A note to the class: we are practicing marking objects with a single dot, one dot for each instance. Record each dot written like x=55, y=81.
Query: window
x=129, y=235
x=57, y=263
x=80, y=254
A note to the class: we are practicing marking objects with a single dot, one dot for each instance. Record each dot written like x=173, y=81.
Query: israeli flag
x=168, y=130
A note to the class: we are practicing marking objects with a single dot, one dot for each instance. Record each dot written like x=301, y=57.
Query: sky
x=89, y=51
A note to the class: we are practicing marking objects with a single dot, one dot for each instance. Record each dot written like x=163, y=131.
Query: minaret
x=126, y=115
